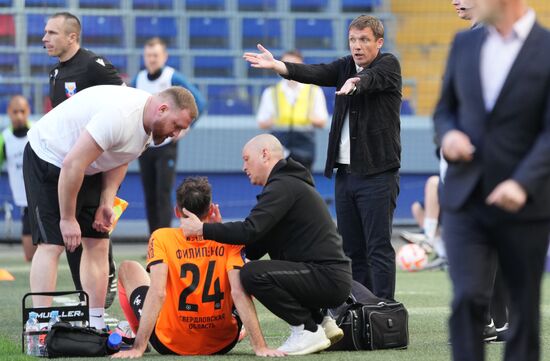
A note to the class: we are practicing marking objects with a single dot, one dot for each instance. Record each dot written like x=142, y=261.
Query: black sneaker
x=112, y=286
x=502, y=333
x=489, y=332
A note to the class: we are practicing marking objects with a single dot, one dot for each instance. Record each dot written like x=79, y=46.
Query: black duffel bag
x=370, y=323
x=66, y=340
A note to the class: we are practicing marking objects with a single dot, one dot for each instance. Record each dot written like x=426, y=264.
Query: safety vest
x=293, y=115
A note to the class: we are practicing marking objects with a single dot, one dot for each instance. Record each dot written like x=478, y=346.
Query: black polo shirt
x=83, y=70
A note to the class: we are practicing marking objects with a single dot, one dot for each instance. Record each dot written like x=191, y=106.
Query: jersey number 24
x=216, y=297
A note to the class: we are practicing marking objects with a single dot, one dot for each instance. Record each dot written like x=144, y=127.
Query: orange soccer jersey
x=196, y=317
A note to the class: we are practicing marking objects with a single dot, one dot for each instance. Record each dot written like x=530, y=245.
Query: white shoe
x=304, y=342
x=332, y=331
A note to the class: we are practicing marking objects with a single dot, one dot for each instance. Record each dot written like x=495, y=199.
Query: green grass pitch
x=425, y=294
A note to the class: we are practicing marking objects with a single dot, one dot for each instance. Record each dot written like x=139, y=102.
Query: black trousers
x=499, y=301
x=74, y=259
x=158, y=172
x=477, y=237
x=364, y=211
x=296, y=292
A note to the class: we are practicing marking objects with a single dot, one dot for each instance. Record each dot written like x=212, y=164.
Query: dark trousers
x=364, y=211
x=74, y=264
x=499, y=301
x=158, y=172
x=477, y=237
x=296, y=292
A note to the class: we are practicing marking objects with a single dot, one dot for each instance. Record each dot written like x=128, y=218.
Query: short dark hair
x=195, y=195
x=72, y=23
x=154, y=41
x=367, y=21
x=295, y=53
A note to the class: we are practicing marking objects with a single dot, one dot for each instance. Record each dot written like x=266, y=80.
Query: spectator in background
x=364, y=145
x=292, y=110
x=77, y=70
x=158, y=163
x=12, y=143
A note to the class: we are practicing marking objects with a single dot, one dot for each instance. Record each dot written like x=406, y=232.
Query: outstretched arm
x=265, y=60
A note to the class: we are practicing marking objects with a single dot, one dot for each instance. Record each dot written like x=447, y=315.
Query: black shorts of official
x=41, y=182
x=25, y=224
x=137, y=299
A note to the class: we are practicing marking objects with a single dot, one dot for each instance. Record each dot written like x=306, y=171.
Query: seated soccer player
x=185, y=306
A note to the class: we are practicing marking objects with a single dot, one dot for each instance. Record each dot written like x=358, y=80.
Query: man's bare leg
x=94, y=271
x=43, y=276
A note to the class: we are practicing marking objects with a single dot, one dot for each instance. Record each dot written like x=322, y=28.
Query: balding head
x=18, y=111
x=260, y=155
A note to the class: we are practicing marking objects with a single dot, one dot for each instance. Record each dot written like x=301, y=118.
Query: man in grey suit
x=493, y=123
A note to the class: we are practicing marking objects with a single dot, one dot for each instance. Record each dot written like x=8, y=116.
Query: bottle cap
x=54, y=313
x=33, y=315
x=114, y=341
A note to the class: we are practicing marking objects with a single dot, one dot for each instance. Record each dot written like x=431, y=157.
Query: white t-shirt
x=113, y=115
x=344, y=153
x=14, y=163
x=267, y=110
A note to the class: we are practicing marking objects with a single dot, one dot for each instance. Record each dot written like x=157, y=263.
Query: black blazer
x=374, y=111
x=513, y=140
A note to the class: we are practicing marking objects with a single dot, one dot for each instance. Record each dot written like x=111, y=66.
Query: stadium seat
x=164, y=27
x=318, y=59
x=35, y=29
x=209, y=33
x=5, y=3
x=313, y=34
x=40, y=64
x=360, y=6
x=257, y=5
x=120, y=62
x=45, y=3
x=102, y=31
x=7, y=30
x=9, y=64
x=6, y=92
x=330, y=97
x=99, y=4
x=229, y=100
x=264, y=31
x=172, y=61
x=152, y=4
x=308, y=5
x=205, y=5
x=213, y=66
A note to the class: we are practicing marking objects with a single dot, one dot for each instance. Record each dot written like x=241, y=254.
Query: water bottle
x=113, y=343
x=54, y=318
x=33, y=344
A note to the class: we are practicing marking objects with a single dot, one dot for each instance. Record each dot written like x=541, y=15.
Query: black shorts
x=25, y=225
x=137, y=298
x=41, y=181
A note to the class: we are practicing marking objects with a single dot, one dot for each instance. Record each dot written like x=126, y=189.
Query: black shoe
x=112, y=286
x=489, y=332
x=502, y=333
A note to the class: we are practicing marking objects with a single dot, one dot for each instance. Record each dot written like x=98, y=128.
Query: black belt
x=344, y=167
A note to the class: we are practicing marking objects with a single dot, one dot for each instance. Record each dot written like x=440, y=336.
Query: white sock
x=430, y=228
x=439, y=247
x=96, y=318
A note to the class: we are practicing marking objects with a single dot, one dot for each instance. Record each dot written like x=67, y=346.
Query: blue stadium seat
x=213, y=66
x=99, y=4
x=41, y=64
x=7, y=30
x=209, y=32
x=6, y=92
x=102, y=31
x=172, y=61
x=152, y=4
x=45, y=3
x=313, y=34
x=205, y=4
x=330, y=97
x=264, y=31
x=9, y=64
x=5, y=3
x=164, y=27
x=359, y=6
x=120, y=62
x=318, y=59
x=35, y=28
x=257, y=5
x=229, y=100
x=308, y=5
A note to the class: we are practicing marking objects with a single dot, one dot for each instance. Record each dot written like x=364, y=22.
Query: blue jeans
x=364, y=211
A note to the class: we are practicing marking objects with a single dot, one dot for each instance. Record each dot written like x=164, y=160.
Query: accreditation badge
x=70, y=89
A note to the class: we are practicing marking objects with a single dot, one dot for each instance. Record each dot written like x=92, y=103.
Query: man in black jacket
x=364, y=145
x=307, y=269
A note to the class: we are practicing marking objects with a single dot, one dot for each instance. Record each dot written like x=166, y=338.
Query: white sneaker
x=332, y=331
x=304, y=342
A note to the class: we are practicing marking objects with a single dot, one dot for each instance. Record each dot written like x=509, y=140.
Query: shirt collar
x=521, y=28
x=358, y=68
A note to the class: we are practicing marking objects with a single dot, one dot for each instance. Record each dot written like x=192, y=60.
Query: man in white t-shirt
x=75, y=161
x=292, y=110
